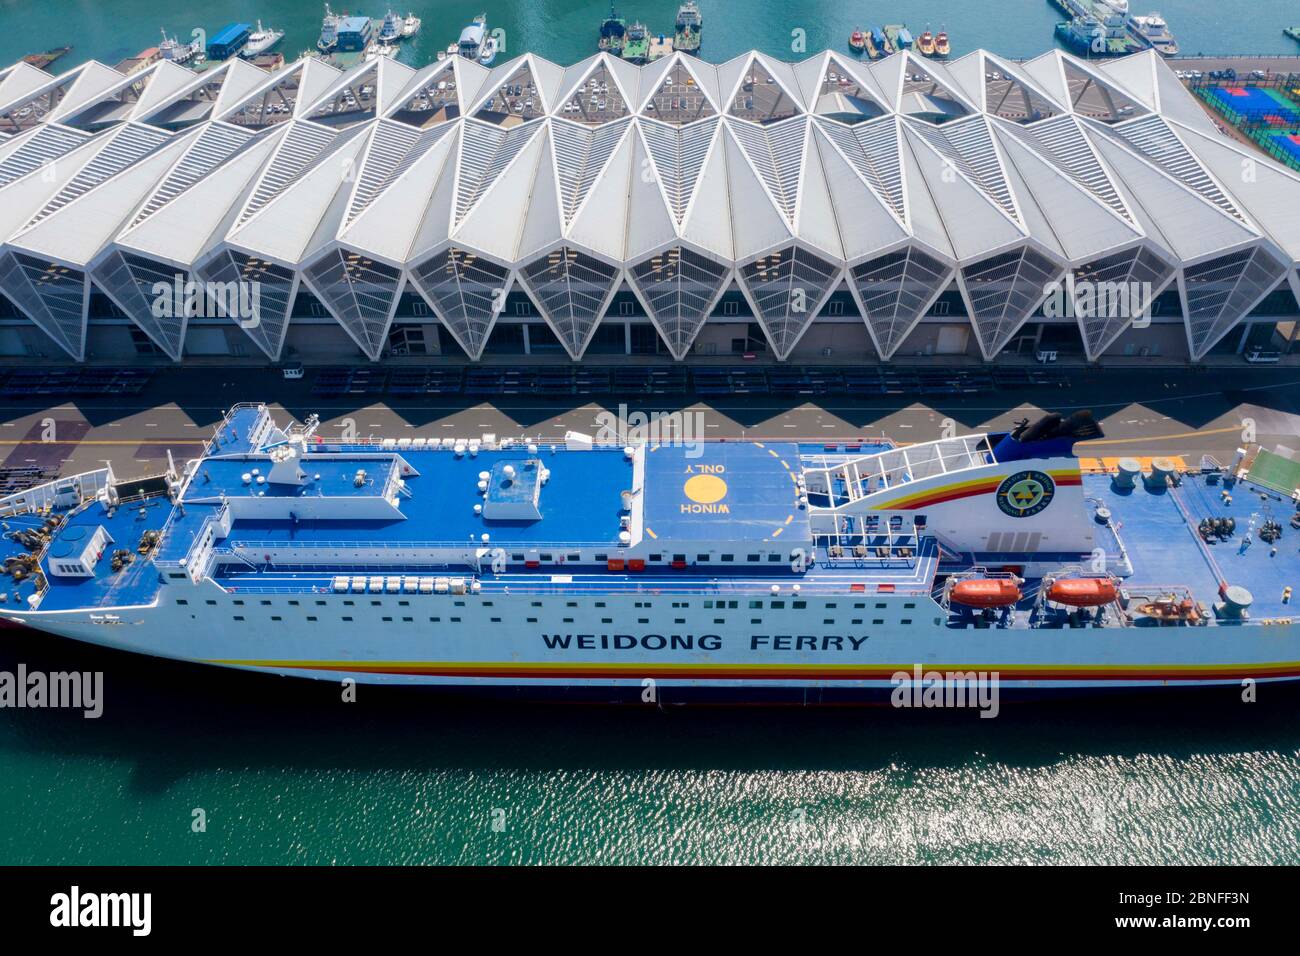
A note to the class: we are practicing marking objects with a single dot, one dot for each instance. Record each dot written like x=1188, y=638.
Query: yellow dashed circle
x=705, y=489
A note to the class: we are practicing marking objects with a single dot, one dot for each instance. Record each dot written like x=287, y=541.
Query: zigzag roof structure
x=898, y=179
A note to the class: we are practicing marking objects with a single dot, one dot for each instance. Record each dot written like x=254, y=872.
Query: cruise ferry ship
x=735, y=570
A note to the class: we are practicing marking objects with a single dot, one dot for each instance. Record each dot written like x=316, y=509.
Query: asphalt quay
x=1180, y=413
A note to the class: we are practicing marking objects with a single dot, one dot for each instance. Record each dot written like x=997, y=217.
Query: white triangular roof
x=756, y=223
x=496, y=222
x=865, y=224
x=183, y=230
x=289, y=228
x=75, y=233
x=600, y=224
x=93, y=80
x=649, y=223
x=388, y=225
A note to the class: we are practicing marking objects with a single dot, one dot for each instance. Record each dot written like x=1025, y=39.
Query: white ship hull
x=613, y=652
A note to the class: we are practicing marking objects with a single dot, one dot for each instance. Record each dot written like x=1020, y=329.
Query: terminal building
x=827, y=211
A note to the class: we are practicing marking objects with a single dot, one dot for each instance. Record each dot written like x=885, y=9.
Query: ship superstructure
x=689, y=28
x=738, y=569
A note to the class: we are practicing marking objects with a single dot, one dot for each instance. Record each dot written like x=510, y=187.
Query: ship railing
x=845, y=481
x=43, y=497
x=469, y=544
x=752, y=588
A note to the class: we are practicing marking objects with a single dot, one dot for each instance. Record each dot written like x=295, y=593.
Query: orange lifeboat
x=1083, y=592
x=985, y=592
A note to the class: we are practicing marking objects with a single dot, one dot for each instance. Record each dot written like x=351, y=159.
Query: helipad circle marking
x=705, y=489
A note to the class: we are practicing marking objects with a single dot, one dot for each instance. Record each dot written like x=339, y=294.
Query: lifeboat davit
x=985, y=592
x=1083, y=592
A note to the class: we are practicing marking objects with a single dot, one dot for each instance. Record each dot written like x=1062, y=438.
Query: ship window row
x=568, y=620
x=710, y=604
x=603, y=557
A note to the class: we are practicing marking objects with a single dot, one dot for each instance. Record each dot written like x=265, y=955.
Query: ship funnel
x=1051, y=436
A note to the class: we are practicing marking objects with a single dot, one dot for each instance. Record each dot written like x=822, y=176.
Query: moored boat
x=941, y=47
x=390, y=30
x=636, y=49
x=329, y=32
x=475, y=42
x=260, y=41
x=858, y=41
x=177, y=52
x=688, y=32
x=613, y=33
x=925, y=43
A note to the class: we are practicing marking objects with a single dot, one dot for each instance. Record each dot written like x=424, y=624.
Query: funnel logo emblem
x=1025, y=493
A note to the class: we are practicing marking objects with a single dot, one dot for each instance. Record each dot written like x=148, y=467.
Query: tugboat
x=858, y=41
x=941, y=47
x=329, y=32
x=690, y=28
x=637, y=47
x=925, y=43
x=410, y=26
x=179, y=53
x=613, y=34
x=260, y=40
x=391, y=29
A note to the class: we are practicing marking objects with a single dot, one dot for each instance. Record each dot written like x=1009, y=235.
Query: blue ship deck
x=1159, y=529
x=137, y=583
x=741, y=491
x=729, y=493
